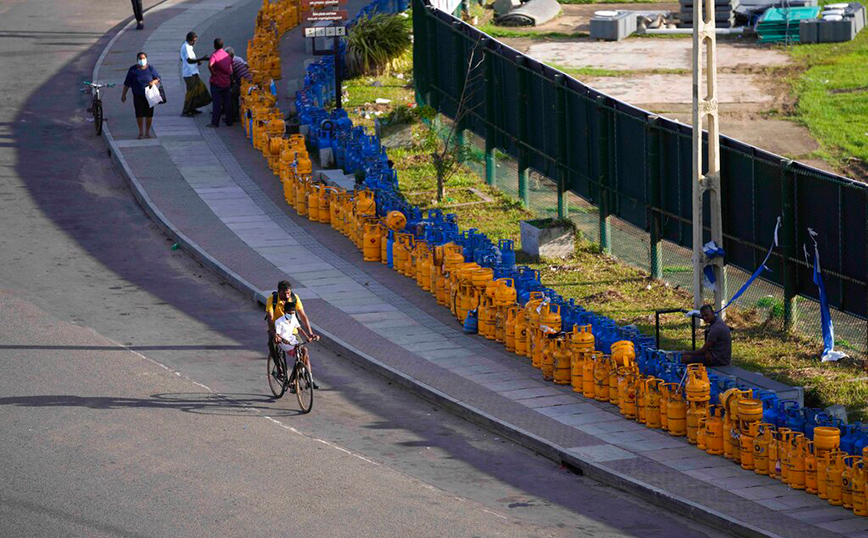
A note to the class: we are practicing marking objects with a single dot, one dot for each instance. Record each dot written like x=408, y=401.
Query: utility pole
x=705, y=108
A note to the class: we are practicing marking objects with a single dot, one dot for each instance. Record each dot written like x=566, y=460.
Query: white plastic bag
x=152, y=93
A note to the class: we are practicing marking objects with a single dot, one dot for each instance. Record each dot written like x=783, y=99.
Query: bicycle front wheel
x=97, y=116
x=304, y=388
x=277, y=375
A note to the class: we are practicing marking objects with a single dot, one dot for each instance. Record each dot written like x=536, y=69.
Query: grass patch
x=506, y=31
x=832, y=93
x=598, y=72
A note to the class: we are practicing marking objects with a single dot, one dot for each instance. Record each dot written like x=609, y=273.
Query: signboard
x=310, y=5
x=325, y=31
x=324, y=15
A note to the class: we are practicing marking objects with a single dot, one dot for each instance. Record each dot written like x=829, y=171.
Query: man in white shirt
x=287, y=328
x=197, y=94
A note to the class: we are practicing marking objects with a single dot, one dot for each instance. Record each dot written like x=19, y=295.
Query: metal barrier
x=628, y=171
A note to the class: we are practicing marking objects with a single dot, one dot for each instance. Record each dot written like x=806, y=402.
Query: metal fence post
x=603, y=174
x=522, y=131
x=461, y=76
x=420, y=53
x=652, y=169
x=563, y=154
x=788, y=227
x=490, y=133
x=433, y=59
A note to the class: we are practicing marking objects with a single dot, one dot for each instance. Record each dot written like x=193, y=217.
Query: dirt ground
x=655, y=74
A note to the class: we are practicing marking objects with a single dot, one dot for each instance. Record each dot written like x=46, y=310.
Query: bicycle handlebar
x=95, y=85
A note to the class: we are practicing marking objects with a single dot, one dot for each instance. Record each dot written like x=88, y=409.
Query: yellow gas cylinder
x=582, y=344
x=521, y=326
x=588, y=374
x=533, y=307
x=372, y=239
x=489, y=320
x=700, y=434
x=466, y=299
x=601, y=378
x=652, y=397
x=676, y=411
x=313, y=202
x=730, y=399
x=325, y=198
x=826, y=439
x=613, y=381
x=562, y=361
x=548, y=357
x=627, y=397
x=288, y=190
x=511, y=318
x=642, y=400
x=750, y=411
x=847, y=480
x=860, y=506
x=549, y=322
x=301, y=195
x=304, y=166
x=396, y=220
x=784, y=441
x=365, y=204
x=664, y=406
x=834, y=479
x=824, y=459
x=774, y=462
x=335, y=209
x=384, y=242
x=623, y=352
x=714, y=431
x=796, y=461
x=453, y=286
x=425, y=268
x=504, y=297
x=400, y=253
x=761, y=438
x=698, y=395
x=486, y=313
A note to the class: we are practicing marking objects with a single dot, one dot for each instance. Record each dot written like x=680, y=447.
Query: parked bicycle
x=96, y=103
x=299, y=379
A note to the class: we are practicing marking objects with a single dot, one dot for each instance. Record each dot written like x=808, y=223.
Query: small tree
x=453, y=153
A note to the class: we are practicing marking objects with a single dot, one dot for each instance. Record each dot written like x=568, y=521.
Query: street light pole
x=705, y=108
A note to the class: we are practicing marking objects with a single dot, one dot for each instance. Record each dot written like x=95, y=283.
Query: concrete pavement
x=214, y=193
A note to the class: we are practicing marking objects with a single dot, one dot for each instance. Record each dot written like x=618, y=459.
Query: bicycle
x=300, y=378
x=96, y=104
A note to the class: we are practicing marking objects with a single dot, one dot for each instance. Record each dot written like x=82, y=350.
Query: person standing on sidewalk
x=197, y=94
x=138, y=14
x=240, y=70
x=139, y=77
x=220, y=65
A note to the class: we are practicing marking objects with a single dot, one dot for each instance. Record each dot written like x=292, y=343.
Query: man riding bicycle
x=285, y=311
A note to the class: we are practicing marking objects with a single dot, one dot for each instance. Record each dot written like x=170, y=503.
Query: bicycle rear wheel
x=97, y=116
x=277, y=375
x=303, y=387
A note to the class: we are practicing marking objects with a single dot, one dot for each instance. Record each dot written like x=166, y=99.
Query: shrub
x=375, y=44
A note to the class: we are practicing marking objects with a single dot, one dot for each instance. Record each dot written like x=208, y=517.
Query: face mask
x=143, y=62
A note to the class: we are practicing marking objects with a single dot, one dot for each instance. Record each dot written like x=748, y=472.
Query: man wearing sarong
x=197, y=94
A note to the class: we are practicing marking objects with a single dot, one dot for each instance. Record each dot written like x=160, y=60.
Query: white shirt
x=286, y=328
x=188, y=69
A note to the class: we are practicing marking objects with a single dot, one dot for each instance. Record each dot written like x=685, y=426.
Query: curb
x=552, y=451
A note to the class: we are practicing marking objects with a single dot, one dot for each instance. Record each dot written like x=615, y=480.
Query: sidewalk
x=214, y=194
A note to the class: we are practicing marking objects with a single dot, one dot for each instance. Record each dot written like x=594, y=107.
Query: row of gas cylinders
x=567, y=353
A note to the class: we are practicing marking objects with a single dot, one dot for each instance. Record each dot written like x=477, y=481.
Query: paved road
x=101, y=439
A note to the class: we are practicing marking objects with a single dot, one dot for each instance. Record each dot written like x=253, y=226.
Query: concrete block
x=540, y=239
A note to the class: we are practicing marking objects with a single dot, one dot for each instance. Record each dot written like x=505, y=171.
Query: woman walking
x=139, y=77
